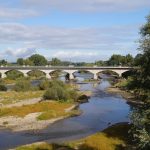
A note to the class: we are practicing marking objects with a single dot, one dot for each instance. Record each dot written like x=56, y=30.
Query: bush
x=57, y=90
x=57, y=83
x=22, y=86
x=44, y=85
x=3, y=87
x=56, y=93
x=74, y=95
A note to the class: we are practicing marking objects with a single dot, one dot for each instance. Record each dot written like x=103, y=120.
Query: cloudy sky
x=76, y=30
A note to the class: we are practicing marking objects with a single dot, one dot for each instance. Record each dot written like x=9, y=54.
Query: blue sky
x=71, y=29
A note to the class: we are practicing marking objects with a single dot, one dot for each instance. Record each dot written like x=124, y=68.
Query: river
x=102, y=110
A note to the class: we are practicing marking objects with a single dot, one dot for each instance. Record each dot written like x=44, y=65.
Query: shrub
x=74, y=95
x=56, y=93
x=22, y=86
x=57, y=90
x=3, y=87
x=57, y=83
x=44, y=85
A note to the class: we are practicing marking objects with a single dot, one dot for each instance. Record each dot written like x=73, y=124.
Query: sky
x=72, y=30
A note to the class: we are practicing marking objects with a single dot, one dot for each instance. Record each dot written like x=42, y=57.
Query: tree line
x=39, y=60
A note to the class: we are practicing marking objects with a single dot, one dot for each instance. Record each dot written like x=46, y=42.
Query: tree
x=55, y=62
x=3, y=62
x=28, y=62
x=20, y=61
x=38, y=60
x=137, y=60
x=116, y=60
x=141, y=116
x=129, y=60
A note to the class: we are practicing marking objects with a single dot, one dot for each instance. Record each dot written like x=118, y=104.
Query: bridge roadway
x=68, y=69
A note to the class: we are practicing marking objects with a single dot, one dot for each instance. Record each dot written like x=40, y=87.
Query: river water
x=102, y=110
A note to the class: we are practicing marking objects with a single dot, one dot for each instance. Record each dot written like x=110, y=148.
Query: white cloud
x=88, y=5
x=107, y=38
x=74, y=55
x=19, y=53
x=16, y=13
x=72, y=43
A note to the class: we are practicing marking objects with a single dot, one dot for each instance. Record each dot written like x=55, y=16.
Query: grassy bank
x=113, y=138
x=11, y=97
x=49, y=110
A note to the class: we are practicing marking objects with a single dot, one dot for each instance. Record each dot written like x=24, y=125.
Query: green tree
x=55, y=62
x=137, y=60
x=20, y=61
x=141, y=116
x=28, y=62
x=3, y=62
x=38, y=60
x=129, y=60
x=116, y=60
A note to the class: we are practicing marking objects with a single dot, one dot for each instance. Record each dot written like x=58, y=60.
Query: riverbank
x=19, y=114
x=129, y=96
x=35, y=116
x=112, y=138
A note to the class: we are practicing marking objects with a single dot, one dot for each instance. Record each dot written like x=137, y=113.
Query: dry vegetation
x=11, y=97
x=49, y=109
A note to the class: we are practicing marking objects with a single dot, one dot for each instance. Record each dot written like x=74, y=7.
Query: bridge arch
x=13, y=74
x=128, y=73
x=109, y=72
x=36, y=73
x=3, y=73
x=82, y=73
x=58, y=73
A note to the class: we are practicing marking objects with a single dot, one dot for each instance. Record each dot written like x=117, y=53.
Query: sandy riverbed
x=125, y=94
x=29, y=122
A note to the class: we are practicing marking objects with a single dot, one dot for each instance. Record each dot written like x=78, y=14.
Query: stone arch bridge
x=68, y=69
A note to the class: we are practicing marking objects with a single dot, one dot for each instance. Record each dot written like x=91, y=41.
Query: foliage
x=20, y=61
x=55, y=62
x=117, y=60
x=38, y=60
x=137, y=60
x=22, y=85
x=141, y=116
x=57, y=90
x=14, y=74
x=3, y=62
x=28, y=62
x=3, y=87
x=44, y=85
x=56, y=93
